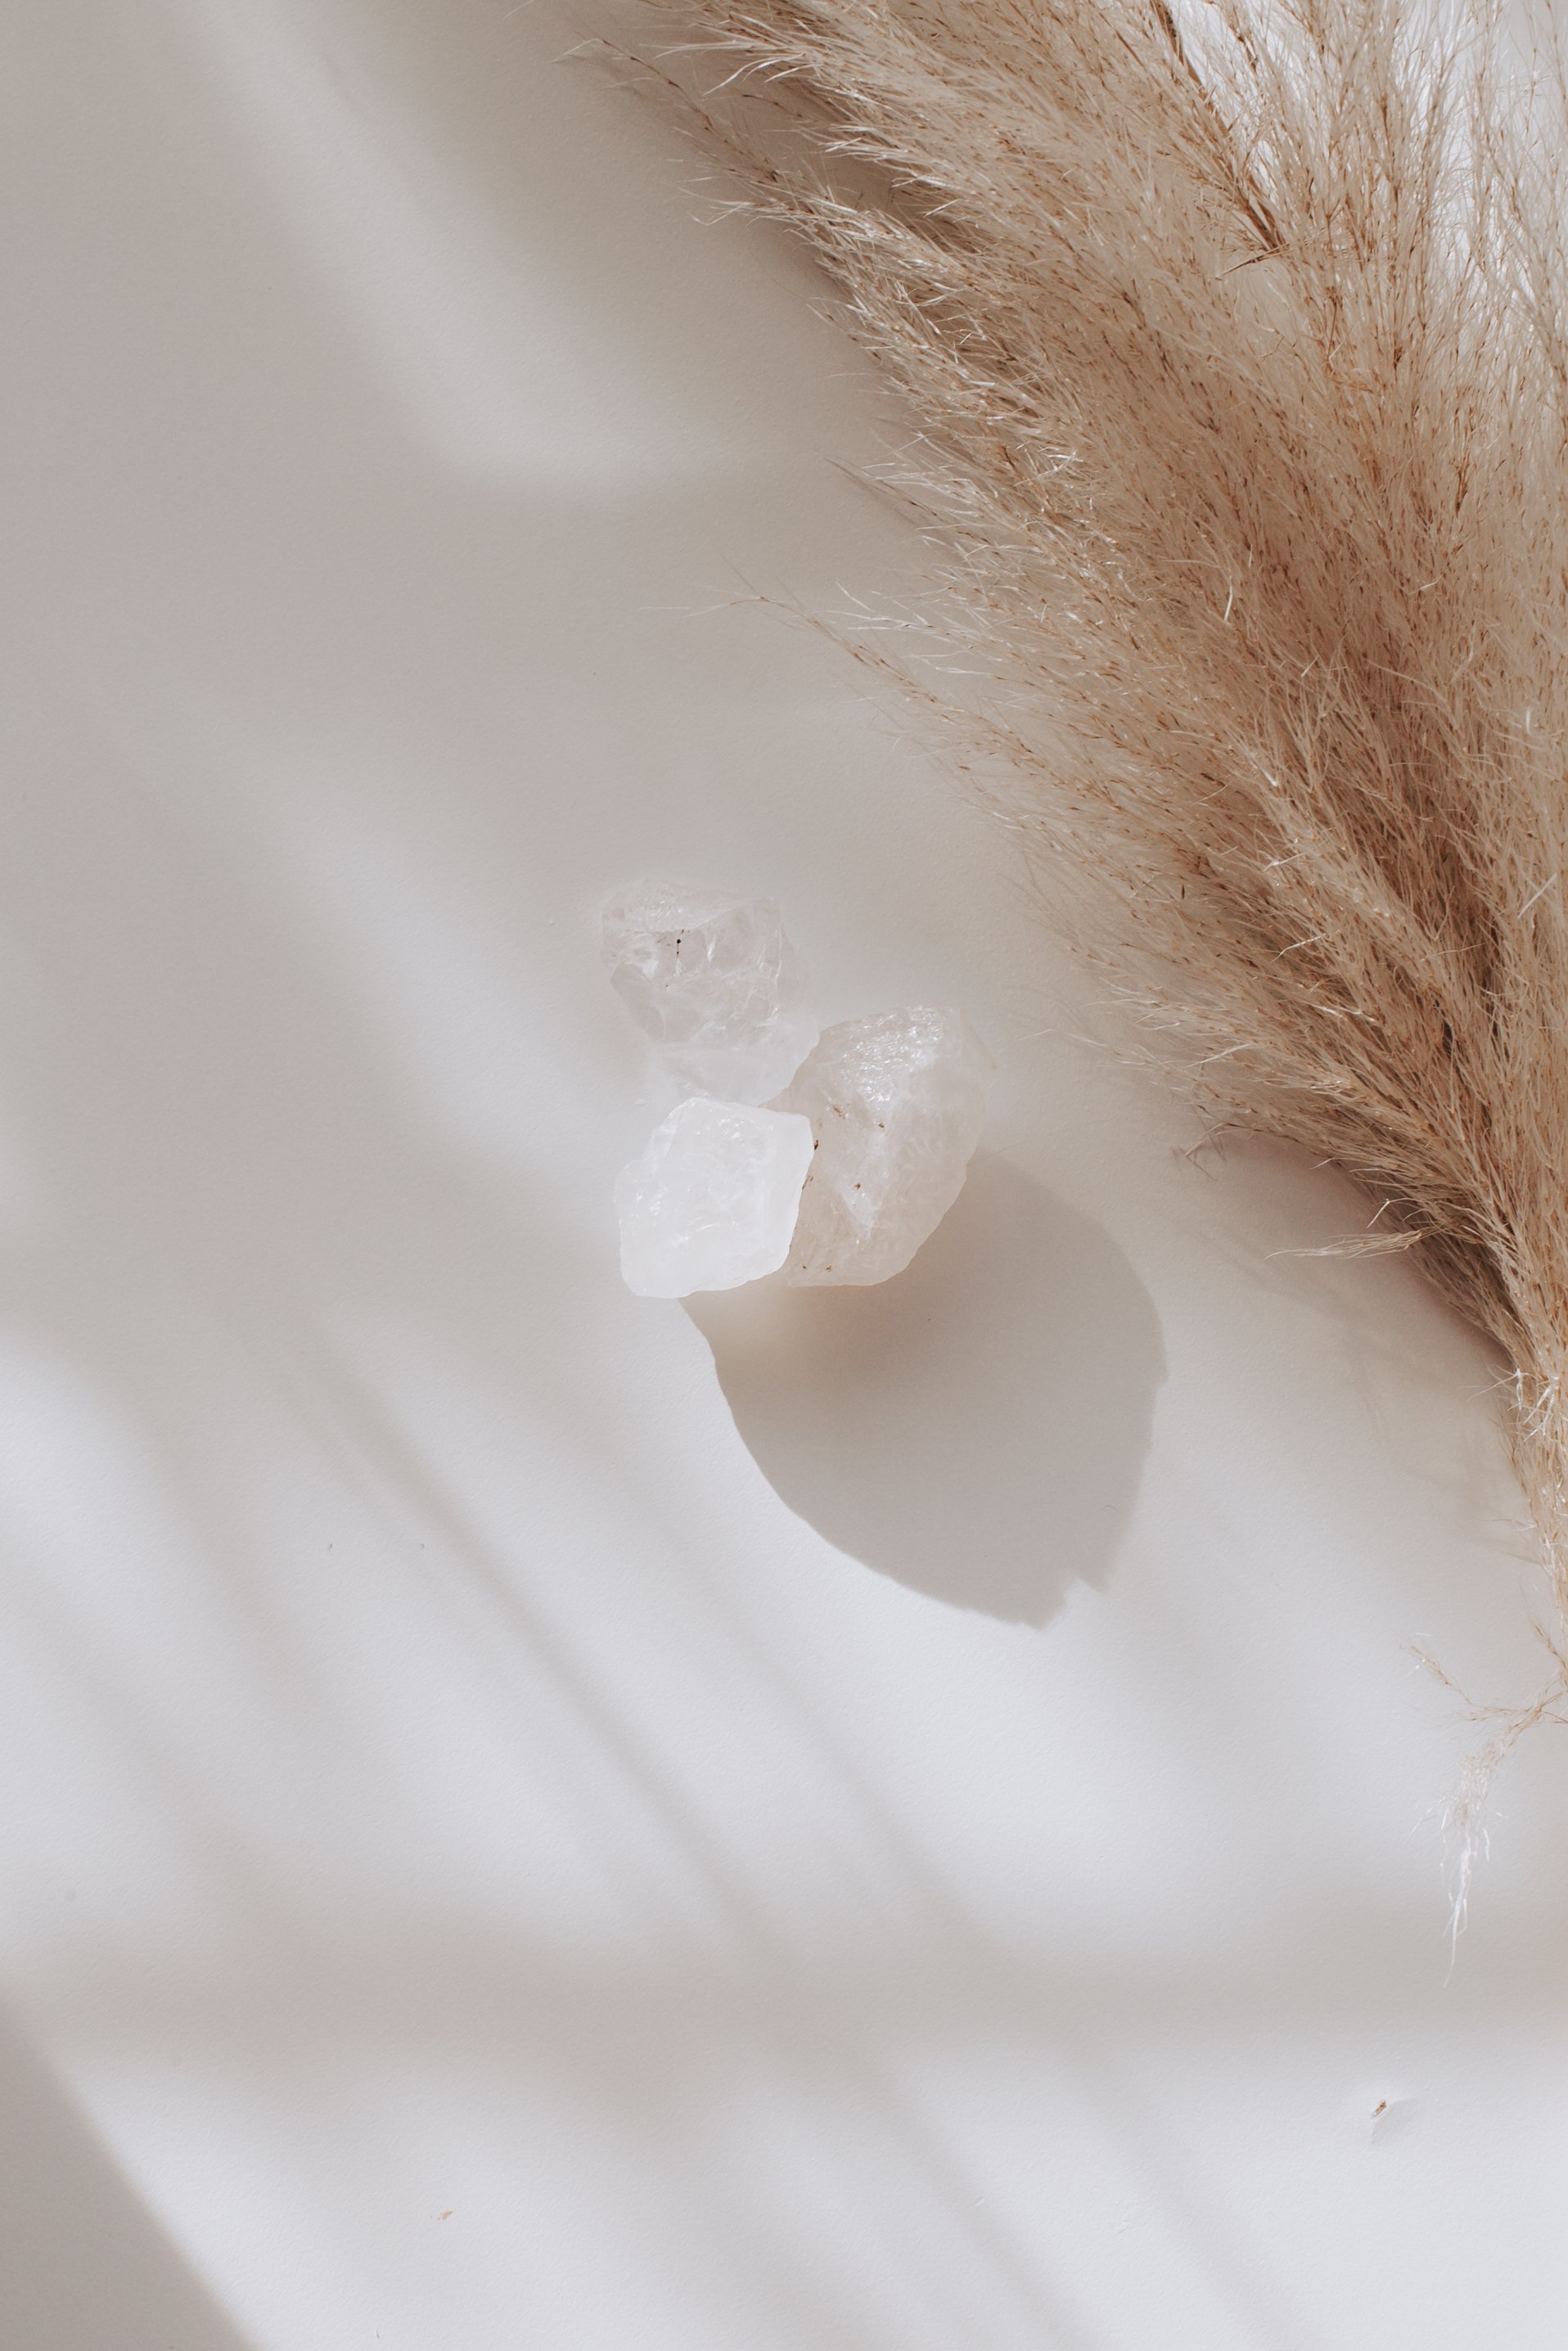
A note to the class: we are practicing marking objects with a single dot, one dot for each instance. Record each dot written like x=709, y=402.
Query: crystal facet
x=713, y=981
x=713, y=1200
x=895, y=1103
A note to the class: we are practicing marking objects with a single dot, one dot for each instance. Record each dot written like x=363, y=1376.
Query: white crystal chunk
x=895, y=1103
x=713, y=981
x=713, y=1200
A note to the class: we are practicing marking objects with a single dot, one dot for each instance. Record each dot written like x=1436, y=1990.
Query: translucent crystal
x=713, y=1200
x=715, y=982
x=896, y=1102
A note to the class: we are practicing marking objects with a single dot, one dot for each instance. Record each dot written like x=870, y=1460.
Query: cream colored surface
x=919, y=1838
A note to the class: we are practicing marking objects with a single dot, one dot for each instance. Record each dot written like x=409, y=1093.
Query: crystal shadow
x=975, y=1428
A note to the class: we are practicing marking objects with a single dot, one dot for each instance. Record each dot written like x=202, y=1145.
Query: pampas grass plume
x=1235, y=340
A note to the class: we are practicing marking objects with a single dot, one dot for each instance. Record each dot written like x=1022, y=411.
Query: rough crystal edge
x=764, y=1260
x=981, y=1069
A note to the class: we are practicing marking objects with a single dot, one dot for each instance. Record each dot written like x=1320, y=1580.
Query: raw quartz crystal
x=896, y=1102
x=713, y=1200
x=855, y=1162
x=712, y=978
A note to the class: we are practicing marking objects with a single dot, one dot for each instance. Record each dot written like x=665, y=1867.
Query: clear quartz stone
x=712, y=978
x=713, y=1200
x=896, y=1102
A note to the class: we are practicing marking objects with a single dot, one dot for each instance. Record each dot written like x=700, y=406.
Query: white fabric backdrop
x=920, y=1837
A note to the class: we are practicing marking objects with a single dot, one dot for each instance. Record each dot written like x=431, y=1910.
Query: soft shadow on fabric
x=84, y=2265
x=975, y=1428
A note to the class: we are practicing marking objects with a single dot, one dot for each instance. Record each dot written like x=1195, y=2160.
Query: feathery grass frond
x=1235, y=338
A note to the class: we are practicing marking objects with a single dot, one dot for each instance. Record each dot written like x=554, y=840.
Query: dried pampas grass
x=1235, y=340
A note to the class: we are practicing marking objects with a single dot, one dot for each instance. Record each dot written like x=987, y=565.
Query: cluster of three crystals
x=830, y=1152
